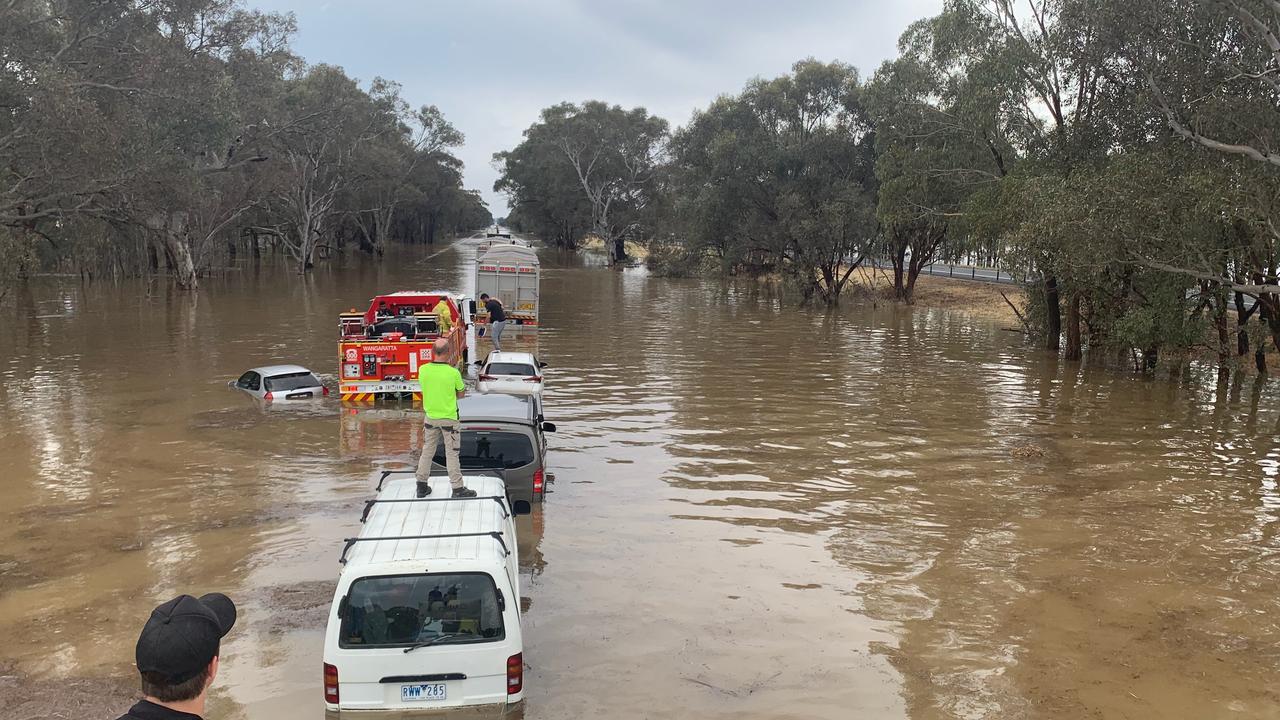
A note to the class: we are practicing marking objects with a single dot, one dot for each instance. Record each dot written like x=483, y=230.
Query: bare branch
x=1212, y=144
x=1255, y=290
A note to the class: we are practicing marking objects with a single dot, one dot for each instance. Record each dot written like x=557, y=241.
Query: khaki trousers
x=448, y=432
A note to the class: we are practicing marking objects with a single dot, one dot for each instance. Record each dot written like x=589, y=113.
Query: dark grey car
x=505, y=434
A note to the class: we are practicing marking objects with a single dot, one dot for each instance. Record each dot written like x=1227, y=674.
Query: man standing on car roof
x=441, y=389
x=497, y=319
x=177, y=656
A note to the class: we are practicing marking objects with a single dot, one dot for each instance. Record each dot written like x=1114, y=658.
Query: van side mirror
x=548, y=427
x=542, y=364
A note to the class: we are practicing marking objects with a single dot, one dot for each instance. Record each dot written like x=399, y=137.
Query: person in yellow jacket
x=444, y=316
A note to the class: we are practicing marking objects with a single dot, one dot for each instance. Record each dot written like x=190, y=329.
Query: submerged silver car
x=281, y=382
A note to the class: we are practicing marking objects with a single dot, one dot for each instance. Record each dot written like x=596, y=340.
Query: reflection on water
x=759, y=512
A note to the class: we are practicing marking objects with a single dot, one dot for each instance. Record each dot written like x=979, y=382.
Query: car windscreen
x=491, y=449
x=291, y=381
x=440, y=609
x=500, y=368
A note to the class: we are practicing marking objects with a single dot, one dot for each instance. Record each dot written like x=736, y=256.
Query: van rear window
x=491, y=449
x=291, y=381
x=438, y=609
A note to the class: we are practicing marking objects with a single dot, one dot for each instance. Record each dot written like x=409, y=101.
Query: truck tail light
x=537, y=482
x=331, y=683
x=325, y=389
x=268, y=396
x=515, y=675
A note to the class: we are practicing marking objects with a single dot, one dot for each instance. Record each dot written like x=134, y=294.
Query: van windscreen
x=291, y=381
x=491, y=449
x=439, y=609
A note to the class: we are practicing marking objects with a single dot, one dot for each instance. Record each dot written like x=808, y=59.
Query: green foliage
x=182, y=123
x=586, y=169
x=781, y=178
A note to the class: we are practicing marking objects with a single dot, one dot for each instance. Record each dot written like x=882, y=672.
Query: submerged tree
x=595, y=157
x=163, y=130
x=783, y=173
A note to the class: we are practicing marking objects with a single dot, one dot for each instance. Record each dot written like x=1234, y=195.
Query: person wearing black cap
x=177, y=656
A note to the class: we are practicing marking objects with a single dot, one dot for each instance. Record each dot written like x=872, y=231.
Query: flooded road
x=759, y=512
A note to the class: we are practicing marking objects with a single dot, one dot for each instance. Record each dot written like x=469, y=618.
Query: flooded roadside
x=759, y=513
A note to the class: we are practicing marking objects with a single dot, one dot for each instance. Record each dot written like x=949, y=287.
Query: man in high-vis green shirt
x=441, y=389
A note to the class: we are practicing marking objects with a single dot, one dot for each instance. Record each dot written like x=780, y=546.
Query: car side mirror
x=542, y=365
x=548, y=427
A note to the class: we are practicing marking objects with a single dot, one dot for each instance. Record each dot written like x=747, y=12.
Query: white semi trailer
x=512, y=274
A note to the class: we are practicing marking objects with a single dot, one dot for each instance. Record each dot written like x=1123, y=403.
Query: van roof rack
x=368, y=504
x=385, y=473
x=350, y=542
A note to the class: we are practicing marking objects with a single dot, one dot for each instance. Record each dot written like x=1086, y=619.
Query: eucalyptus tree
x=1212, y=71
x=594, y=157
x=784, y=171
x=937, y=143
x=1053, y=74
x=327, y=123
x=133, y=114
x=388, y=166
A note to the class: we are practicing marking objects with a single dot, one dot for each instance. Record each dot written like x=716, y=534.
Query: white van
x=427, y=610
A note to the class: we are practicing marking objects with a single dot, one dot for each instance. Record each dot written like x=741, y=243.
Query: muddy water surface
x=759, y=513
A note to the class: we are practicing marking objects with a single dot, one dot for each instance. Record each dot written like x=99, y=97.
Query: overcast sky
x=492, y=65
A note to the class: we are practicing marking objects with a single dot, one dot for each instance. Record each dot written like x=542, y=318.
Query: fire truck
x=380, y=349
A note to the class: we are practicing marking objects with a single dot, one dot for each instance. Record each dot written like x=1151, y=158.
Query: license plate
x=298, y=396
x=422, y=691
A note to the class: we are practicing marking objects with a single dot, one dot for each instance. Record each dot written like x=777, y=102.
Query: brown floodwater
x=760, y=512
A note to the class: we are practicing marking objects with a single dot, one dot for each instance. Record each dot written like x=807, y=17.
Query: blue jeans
x=495, y=334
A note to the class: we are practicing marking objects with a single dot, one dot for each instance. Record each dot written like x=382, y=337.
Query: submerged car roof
x=473, y=529
x=496, y=406
x=268, y=370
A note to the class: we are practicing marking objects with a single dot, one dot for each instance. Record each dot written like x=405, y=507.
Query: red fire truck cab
x=380, y=349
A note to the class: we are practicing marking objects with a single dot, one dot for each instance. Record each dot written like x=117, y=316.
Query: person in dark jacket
x=177, y=656
x=497, y=319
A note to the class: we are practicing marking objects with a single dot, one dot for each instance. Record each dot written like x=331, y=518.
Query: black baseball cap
x=183, y=635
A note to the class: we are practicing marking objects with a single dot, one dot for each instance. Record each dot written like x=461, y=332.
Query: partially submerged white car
x=281, y=382
x=513, y=373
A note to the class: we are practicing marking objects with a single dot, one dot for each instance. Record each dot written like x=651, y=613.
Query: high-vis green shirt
x=441, y=383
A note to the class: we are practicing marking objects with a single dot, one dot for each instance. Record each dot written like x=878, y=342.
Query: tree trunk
x=1053, y=315
x=618, y=251
x=914, y=267
x=1224, y=336
x=184, y=266
x=898, y=258
x=382, y=229
x=1073, y=327
x=1242, y=332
